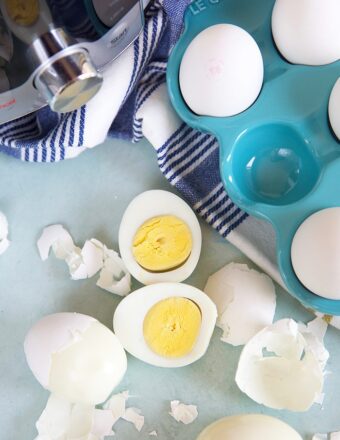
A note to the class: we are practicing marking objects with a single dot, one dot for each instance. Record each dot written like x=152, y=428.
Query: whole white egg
x=145, y=206
x=249, y=427
x=221, y=72
x=76, y=357
x=130, y=314
x=315, y=253
x=334, y=109
x=307, y=31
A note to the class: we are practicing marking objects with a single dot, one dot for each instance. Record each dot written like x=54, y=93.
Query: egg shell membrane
x=248, y=427
x=281, y=368
x=245, y=301
x=130, y=314
x=49, y=335
x=334, y=109
x=151, y=204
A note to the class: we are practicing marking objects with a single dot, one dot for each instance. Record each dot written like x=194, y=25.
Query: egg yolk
x=162, y=243
x=171, y=327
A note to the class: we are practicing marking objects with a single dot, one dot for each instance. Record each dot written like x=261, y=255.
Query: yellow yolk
x=162, y=243
x=171, y=327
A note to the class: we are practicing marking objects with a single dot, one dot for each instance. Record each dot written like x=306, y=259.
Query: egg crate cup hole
x=279, y=159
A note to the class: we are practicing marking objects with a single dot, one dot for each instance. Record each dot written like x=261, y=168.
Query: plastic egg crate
x=279, y=160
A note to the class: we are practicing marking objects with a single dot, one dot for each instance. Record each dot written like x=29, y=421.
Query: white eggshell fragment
x=182, y=412
x=117, y=405
x=114, y=276
x=134, y=416
x=64, y=420
x=221, y=72
x=249, y=427
x=75, y=356
x=4, y=242
x=282, y=367
x=130, y=314
x=320, y=437
x=86, y=262
x=82, y=263
x=315, y=253
x=145, y=206
x=331, y=436
x=307, y=31
x=334, y=109
x=245, y=301
x=56, y=237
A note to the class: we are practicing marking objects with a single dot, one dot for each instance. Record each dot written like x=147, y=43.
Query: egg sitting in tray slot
x=166, y=324
x=159, y=238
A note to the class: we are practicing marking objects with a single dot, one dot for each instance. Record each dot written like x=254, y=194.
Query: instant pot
x=54, y=51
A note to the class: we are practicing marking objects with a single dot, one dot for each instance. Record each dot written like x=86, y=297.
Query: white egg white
x=334, y=108
x=307, y=31
x=221, y=72
x=75, y=356
x=315, y=253
x=130, y=314
x=150, y=204
x=249, y=426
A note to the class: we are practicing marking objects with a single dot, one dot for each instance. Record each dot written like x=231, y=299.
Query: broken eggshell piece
x=86, y=262
x=117, y=405
x=114, y=276
x=245, y=301
x=282, y=367
x=62, y=419
x=75, y=357
x=129, y=317
x=148, y=205
x=182, y=412
x=330, y=436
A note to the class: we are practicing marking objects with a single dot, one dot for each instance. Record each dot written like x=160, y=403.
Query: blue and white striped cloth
x=132, y=104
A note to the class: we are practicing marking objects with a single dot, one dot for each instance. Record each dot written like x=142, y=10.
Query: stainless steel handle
x=67, y=78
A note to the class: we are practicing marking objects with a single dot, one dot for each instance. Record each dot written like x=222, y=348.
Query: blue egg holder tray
x=279, y=160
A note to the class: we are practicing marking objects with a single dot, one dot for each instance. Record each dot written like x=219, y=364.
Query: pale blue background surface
x=88, y=195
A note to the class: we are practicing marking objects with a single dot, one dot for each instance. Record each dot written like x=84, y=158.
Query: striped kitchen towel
x=132, y=104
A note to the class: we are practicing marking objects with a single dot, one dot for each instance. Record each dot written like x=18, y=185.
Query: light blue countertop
x=88, y=195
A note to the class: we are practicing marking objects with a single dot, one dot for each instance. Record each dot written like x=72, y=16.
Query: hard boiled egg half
x=166, y=324
x=76, y=357
x=159, y=238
